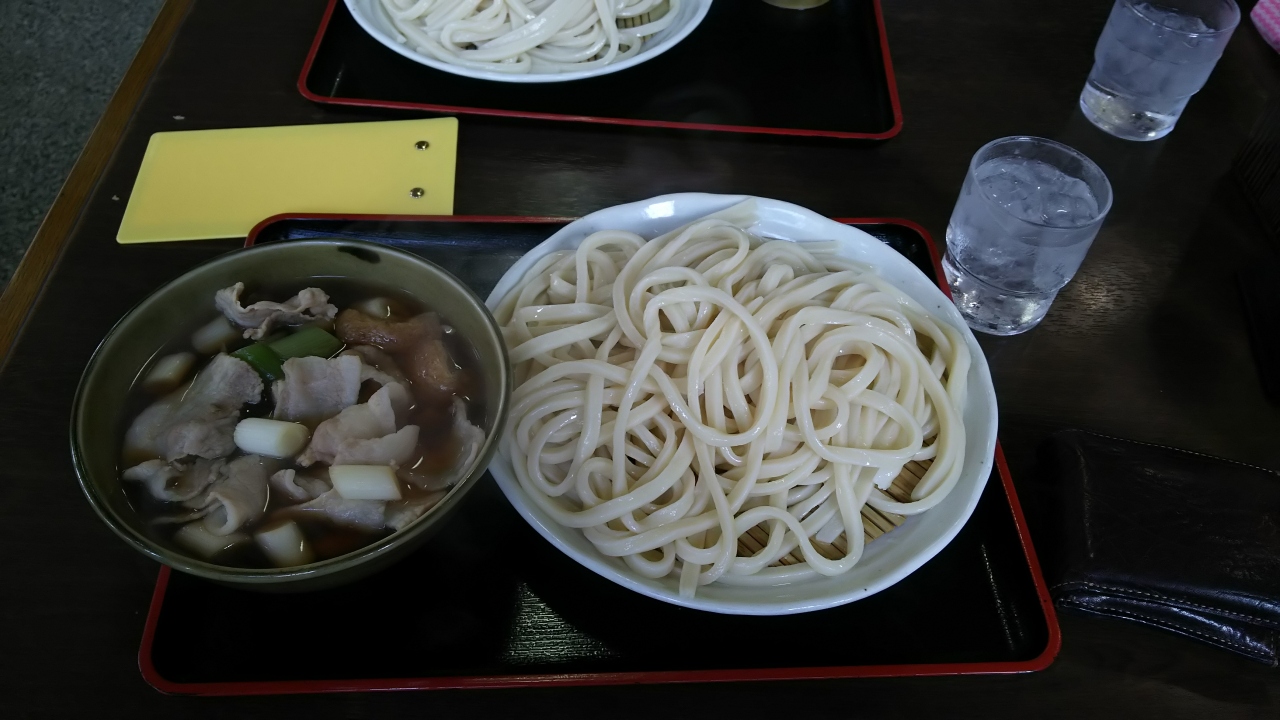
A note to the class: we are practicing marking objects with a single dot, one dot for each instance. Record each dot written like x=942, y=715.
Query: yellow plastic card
x=205, y=184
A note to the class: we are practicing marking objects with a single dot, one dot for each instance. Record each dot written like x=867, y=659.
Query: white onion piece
x=215, y=337
x=194, y=537
x=285, y=545
x=168, y=372
x=273, y=438
x=365, y=482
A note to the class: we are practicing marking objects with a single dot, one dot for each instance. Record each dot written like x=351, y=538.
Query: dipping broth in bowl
x=295, y=429
x=300, y=426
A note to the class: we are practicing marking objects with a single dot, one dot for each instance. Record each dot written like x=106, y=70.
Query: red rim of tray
x=890, y=81
x=1040, y=662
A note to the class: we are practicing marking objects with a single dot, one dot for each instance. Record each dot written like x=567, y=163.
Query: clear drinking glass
x=1027, y=213
x=1151, y=58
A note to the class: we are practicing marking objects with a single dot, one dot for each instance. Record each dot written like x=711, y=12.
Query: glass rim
x=1102, y=210
x=1132, y=5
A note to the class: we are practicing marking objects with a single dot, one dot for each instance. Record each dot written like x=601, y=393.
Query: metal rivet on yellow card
x=417, y=193
x=422, y=144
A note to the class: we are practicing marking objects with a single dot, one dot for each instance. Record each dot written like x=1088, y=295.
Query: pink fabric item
x=1266, y=15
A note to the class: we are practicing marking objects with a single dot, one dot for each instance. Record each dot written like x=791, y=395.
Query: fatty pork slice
x=395, y=449
x=259, y=318
x=470, y=438
x=316, y=388
x=297, y=487
x=365, y=434
x=199, y=418
x=362, y=514
x=237, y=497
x=365, y=514
x=401, y=513
x=175, y=481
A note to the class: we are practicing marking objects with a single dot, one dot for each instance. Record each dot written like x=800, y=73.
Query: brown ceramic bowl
x=98, y=420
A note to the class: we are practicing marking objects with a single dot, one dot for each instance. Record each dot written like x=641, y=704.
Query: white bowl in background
x=892, y=556
x=374, y=19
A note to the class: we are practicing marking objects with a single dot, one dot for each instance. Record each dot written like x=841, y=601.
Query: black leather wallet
x=1168, y=538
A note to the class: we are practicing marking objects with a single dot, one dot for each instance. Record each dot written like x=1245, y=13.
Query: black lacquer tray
x=488, y=603
x=749, y=67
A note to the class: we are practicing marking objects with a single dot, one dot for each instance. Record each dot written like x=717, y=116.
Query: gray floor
x=59, y=63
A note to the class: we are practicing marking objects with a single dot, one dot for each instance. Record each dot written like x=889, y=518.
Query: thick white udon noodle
x=526, y=36
x=673, y=394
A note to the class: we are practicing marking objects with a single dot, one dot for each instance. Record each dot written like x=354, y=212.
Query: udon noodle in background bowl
x=558, y=401
x=491, y=42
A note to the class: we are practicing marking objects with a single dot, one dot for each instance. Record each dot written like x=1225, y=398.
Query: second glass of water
x=1151, y=58
x=1027, y=214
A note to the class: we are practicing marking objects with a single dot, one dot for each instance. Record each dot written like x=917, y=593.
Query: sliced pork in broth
x=260, y=318
x=297, y=487
x=361, y=514
x=399, y=513
x=198, y=418
x=175, y=481
x=366, y=434
x=316, y=388
x=238, y=497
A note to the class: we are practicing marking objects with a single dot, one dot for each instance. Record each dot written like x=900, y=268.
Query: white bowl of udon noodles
x=753, y=308
x=529, y=41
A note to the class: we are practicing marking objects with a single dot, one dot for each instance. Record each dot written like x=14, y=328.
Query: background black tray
x=749, y=67
x=489, y=603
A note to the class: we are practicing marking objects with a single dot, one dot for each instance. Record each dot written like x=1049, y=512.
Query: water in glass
x=1151, y=58
x=1019, y=232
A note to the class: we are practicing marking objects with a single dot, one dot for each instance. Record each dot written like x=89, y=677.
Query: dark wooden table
x=1148, y=342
